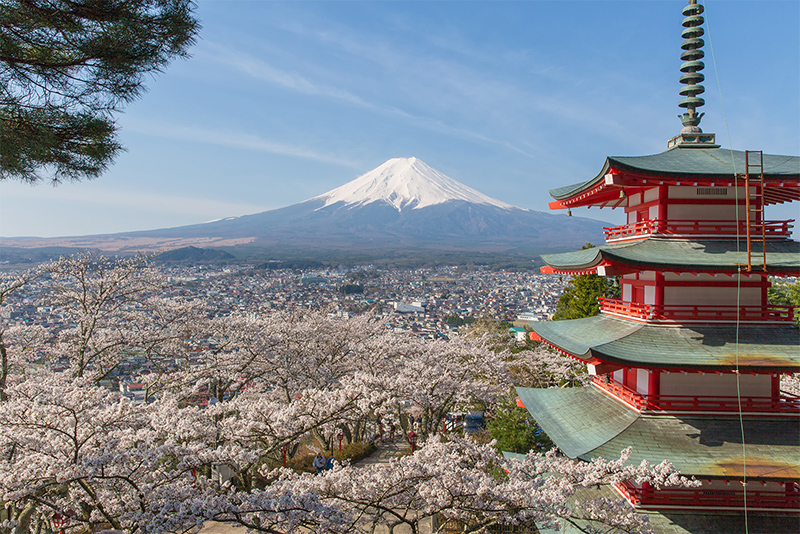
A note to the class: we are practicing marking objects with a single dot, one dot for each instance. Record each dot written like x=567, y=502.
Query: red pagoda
x=686, y=366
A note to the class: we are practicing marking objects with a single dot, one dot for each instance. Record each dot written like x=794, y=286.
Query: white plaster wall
x=634, y=200
x=619, y=375
x=627, y=292
x=642, y=377
x=676, y=277
x=710, y=296
x=651, y=194
x=649, y=294
x=652, y=212
x=710, y=385
x=704, y=212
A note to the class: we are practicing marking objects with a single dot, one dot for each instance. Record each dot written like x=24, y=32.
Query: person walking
x=319, y=462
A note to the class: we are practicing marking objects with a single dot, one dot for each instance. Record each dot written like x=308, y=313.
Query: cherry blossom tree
x=542, y=367
x=102, y=301
x=433, y=378
x=70, y=447
x=791, y=384
x=279, y=356
x=458, y=480
x=8, y=286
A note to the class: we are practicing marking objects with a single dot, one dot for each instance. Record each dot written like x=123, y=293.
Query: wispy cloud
x=230, y=138
x=261, y=70
x=482, y=83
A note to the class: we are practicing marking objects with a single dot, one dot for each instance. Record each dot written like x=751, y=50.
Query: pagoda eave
x=618, y=343
x=675, y=255
x=705, y=167
x=603, y=268
x=586, y=423
x=601, y=364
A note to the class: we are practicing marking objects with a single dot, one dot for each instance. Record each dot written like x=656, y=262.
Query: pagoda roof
x=587, y=423
x=783, y=256
x=680, y=166
x=760, y=348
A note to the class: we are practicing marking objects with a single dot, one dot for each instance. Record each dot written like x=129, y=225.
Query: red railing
x=785, y=403
x=635, y=399
x=733, y=498
x=695, y=228
x=691, y=313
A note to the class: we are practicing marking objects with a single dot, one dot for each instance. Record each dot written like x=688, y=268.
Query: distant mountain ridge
x=402, y=207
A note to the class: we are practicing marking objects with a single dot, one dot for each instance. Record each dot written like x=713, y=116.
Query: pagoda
x=686, y=365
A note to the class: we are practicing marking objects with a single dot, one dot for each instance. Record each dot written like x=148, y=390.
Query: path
x=383, y=454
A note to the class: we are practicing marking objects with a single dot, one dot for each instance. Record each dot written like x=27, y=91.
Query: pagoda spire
x=692, y=79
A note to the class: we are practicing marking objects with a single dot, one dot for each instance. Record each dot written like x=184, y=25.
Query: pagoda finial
x=692, y=54
x=692, y=78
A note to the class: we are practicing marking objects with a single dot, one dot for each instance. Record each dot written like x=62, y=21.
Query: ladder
x=754, y=207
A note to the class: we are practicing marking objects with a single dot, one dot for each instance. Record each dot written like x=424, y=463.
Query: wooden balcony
x=697, y=229
x=757, y=498
x=688, y=314
x=786, y=403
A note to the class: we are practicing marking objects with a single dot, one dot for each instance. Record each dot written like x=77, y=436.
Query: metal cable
x=738, y=276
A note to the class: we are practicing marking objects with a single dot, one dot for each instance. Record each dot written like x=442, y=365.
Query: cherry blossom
x=70, y=447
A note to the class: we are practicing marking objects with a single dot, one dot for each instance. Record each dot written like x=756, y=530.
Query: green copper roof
x=561, y=413
x=660, y=253
x=709, y=347
x=586, y=423
x=701, y=163
x=706, y=162
x=712, y=447
x=513, y=455
x=707, y=521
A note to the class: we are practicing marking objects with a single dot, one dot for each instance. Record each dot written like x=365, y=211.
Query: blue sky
x=282, y=101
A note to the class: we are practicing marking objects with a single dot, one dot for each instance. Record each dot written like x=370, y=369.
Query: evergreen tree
x=515, y=431
x=579, y=298
x=67, y=66
x=785, y=293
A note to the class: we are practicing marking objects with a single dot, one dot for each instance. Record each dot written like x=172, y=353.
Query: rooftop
x=697, y=347
x=680, y=166
x=586, y=423
x=783, y=256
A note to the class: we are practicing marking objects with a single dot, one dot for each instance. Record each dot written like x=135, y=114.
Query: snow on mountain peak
x=406, y=183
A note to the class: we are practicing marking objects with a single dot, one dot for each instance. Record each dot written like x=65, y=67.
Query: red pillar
x=647, y=492
x=653, y=382
x=653, y=386
x=776, y=387
x=658, y=303
x=663, y=194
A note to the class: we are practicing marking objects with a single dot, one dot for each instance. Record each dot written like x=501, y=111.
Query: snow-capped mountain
x=402, y=208
x=405, y=183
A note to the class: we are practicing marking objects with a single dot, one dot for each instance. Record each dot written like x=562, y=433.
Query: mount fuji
x=403, y=207
x=405, y=183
